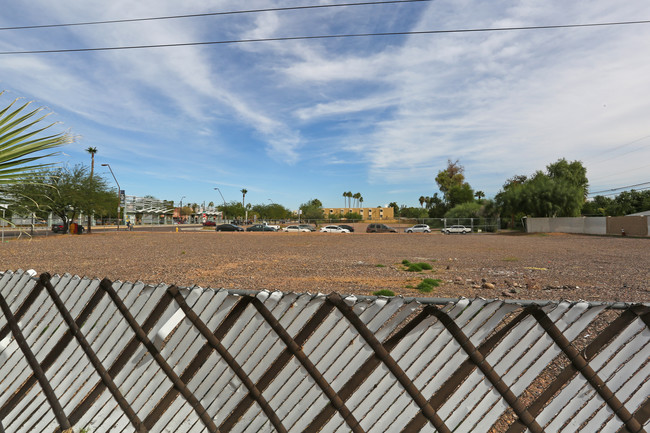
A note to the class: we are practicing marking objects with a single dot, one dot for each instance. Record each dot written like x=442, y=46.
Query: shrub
x=427, y=285
x=384, y=292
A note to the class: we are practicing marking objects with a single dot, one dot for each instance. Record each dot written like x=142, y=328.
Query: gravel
x=519, y=266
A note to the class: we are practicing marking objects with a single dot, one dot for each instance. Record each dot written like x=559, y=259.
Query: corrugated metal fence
x=111, y=356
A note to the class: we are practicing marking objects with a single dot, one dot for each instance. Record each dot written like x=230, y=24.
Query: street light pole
x=119, y=196
x=224, y=203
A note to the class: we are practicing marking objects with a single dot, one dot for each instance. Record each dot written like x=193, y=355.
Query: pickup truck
x=276, y=227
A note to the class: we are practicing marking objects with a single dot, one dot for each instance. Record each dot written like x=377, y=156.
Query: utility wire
x=620, y=188
x=298, y=38
x=209, y=14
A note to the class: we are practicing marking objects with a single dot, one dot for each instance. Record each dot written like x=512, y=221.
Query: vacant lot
x=487, y=265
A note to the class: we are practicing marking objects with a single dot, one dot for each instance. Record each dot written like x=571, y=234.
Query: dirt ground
x=519, y=266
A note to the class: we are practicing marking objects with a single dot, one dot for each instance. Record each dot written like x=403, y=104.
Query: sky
x=290, y=121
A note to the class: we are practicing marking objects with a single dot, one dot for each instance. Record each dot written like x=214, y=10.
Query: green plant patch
x=428, y=284
x=380, y=266
x=510, y=259
x=384, y=292
x=406, y=262
x=418, y=267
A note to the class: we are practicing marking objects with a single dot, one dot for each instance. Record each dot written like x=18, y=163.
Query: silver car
x=296, y=229
x=456, y=229
x=334, y=229
x=418, y=228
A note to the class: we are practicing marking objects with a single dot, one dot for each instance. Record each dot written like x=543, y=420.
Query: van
x=380, y=228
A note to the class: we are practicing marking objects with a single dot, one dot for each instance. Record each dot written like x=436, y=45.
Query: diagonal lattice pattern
x=124, y=357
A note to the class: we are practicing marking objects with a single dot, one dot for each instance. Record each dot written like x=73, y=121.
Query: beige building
x=367, y=213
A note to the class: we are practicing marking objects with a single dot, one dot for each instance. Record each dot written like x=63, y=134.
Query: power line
x=339, y=36
x=208, y=14
x=620, y=188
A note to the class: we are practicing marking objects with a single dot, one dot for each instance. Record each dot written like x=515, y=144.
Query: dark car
x=380, y=228
x=345, y=226
x=58, y=228
x=229, y=228
x=261, y=228
x=209, y=224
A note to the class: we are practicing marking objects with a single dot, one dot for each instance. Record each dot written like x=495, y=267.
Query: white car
x=419, y=228
x=296, y=229
x=334, y=229
x=456, y=229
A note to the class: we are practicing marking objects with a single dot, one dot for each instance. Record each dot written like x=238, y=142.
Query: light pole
x=118, y=195
x=224, y=203
x=180, y=210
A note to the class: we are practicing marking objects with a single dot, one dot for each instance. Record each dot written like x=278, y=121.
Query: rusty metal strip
x=587, y=372
x=121, y=361
x=20, y=313
x=162, y=363
x=199, y=359
x=463, y=371
x=363, y=373
x=215, y=344
x=280, y=362
x=389, y=362
x=92, y=356
x=606, y=335
x=55, y=405
x=481, y=362
x=52, y=356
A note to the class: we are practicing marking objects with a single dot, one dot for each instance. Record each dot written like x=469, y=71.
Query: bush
x=384, y=292
x=427, y=285
x=416, y=267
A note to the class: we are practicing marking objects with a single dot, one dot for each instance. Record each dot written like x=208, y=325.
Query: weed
x=427, y=285
x=406, y=262
x=384, y=292
x=418, y=267
x=380, y=266
x=510, y=259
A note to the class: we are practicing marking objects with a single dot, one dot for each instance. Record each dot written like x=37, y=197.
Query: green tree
x=573, y=173
x=450, y=176
x=312, y=210
x=233, y=209
x=244, y=191
x=413, y=212
x=465, y=210
x=65, y=193
x=396, y=209
x=459, y=194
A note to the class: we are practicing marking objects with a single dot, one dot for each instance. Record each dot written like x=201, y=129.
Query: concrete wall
x=583, y=225
x=633, y=225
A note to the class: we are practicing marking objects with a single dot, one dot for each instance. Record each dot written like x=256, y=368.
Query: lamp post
x=118, y=195
x=180, y=210
x=224, y=203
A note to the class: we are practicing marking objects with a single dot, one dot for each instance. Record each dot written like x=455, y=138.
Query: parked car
x=347, y=227
x=309, y=227
x=209, y=224
x=58, y=228
x=380, y=228
x=419, y=228
x=229, y=228
x=261, y=228
x=296, y=229
x=334, y=229
x=456, y=229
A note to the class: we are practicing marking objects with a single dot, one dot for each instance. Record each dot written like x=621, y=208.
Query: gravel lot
x=517, y=266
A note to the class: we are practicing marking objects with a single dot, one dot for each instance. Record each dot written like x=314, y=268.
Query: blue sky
x=295, y=120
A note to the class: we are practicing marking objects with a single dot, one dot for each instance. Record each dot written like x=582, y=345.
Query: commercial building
x=367, y=213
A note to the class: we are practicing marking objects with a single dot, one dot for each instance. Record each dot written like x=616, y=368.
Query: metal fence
x=122, y=357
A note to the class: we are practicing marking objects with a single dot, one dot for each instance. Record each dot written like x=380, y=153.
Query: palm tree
x=360, y=200
x=479, y=195
x=243, y=198
x=345, y=195
x=356, y=197
x=92, y=151
x=422, y=200
x=20, y=143
x=349, y=198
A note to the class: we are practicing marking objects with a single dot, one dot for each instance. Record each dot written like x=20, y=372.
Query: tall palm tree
x=92, y=151
x=360, y=200
x=349, y=198
x=243, y=198
x=479, y=195
x=422, y=200
x=345, y=196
